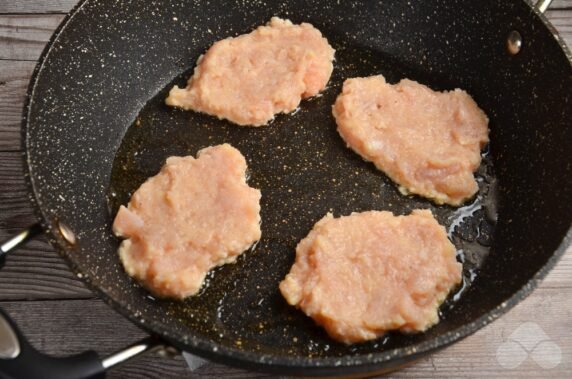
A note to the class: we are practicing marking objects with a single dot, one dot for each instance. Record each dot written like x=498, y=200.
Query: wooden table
x=60, y=316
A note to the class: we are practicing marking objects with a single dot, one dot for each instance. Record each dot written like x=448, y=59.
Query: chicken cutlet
x=250, y=78
x=427, y=142
x=362, y=275
x=194, y=215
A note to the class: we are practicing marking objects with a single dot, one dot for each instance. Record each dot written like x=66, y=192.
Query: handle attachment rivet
x=514, y=42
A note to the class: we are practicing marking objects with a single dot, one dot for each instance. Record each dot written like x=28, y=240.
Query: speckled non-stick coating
x=95, y=128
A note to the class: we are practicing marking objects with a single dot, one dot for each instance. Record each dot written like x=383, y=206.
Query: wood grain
x=35, y=6
x=562, y=21
x=35, y=271
x=23, y=37
x=561, y=4
x=63, y=328
x=14, y=78
x=90, y=324
x=15, y=207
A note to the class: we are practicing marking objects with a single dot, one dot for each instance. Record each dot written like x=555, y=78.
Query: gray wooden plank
x=78, y=325
x=23, y=37
x=37, y=272
x=562, y=21
x=478, y=356
x=90, y=324
x=34, y=271
x=14, y=78
x=75, y=326
x=561, y=4
x=36, y=6
x=15, y=208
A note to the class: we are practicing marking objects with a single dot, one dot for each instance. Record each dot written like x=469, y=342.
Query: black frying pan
x=95, y=127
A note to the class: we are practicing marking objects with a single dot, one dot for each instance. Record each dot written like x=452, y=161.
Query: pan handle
x=19, y=360
x=542, y=5
x=19, y=240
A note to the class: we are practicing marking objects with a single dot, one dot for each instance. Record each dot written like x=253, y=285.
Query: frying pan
x=95, y=127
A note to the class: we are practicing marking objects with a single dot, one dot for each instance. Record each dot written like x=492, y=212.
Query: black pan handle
x=19, y=360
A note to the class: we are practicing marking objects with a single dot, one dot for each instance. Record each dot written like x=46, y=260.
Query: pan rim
x=270, y=363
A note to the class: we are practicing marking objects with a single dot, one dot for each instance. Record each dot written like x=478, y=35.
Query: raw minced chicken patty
x=362, y=275
x=250, y=78
x=428, y=142
x=194, y=215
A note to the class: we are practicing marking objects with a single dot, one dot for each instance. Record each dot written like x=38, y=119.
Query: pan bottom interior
x=304, y=170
